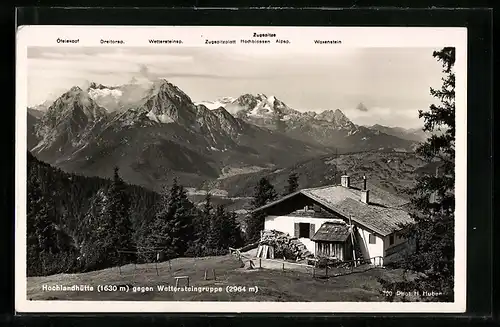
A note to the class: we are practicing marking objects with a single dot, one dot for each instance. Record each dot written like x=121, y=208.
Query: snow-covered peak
x=259, y=106
x=222, y=102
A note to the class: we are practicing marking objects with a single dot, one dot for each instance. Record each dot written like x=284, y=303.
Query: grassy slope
x=274, y=285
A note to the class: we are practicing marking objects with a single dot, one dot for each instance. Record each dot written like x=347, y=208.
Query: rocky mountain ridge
x=165, y=135
x=330, y=127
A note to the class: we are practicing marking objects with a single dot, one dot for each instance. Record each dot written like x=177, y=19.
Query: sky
x=384, y=86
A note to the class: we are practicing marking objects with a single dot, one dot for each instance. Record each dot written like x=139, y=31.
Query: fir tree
x=172, y=228
x=433, y=199
x=155, y=237
x=76, y=223
x=38, y=222
x=119, y=215
x=49, y=248
x=109, y=232
x=183, y=217
x=216, y=241
x=97, y=246
x=293, y=183
x=233, y=231
x=203, y=224
x=224, y=231
x=263, y=193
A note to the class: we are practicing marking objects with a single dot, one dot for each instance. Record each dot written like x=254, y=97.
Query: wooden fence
x=331, y=269
x=339, y=269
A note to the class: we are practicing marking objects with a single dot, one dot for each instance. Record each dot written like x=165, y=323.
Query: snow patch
x=352, y=131
x=163, y=118
x=212, y=105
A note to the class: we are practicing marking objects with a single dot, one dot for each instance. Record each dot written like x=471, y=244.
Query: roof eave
x=326, y=205
x=286, y=197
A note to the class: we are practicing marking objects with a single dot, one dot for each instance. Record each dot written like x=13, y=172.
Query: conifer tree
x=293, y=183
x=224, y=231
x=38, y=226
x=97, y=246
x=49, y=248
x=172, y=228
x=263, y=193
x=233, y=231
x=433, y=199
x=201, y=226
x=157, y=230
x=119, y=215
x=216, y=241
x=109, y=234
x=183, y=217
x=76, y=223
x=205, y=217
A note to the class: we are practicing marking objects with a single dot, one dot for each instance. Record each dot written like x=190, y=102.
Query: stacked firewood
x=284, y=245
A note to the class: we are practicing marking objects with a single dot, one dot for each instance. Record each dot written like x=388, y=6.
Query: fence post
x=169, y=265
x=260, y=263
x=213, y=270
x=314, y=272
x=327, y=270
x=283, y=266
x=156, y=265
x=205, y=274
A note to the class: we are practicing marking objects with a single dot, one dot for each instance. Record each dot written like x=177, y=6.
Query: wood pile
x=284, y=245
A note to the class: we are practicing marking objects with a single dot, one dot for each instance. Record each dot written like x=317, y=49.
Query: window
x=304, y=229
x=391, y=239
x=372, y=239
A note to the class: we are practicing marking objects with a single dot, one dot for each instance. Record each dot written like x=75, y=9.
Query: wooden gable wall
x=295, y=206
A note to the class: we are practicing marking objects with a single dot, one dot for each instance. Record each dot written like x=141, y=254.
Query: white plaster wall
x=401, y=251
x=371, y=250
x=397, y=240
x=286, y=224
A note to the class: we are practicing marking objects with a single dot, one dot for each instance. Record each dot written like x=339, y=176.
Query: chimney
x=365, y=194
x=345, y=181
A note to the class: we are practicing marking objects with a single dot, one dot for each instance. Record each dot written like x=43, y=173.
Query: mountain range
x=154, y=132
x=330, y=128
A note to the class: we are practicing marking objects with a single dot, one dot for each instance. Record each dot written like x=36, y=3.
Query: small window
x=391, y=239
x=304, y=229
x=372, y=239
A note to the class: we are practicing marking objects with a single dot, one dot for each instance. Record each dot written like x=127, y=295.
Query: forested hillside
x=77, y=223
x=392, y=171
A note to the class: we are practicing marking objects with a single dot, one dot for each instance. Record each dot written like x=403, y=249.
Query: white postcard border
x=90, y=36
